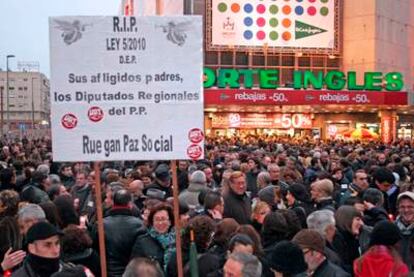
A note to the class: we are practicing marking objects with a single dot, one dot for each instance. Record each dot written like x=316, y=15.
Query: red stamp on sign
x=194, y=151
x=195, y=135
x=95, y=114
x=69, y=121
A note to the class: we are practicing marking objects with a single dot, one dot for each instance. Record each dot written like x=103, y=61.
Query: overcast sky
x=24, y=30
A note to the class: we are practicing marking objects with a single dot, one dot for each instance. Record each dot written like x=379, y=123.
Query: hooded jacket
x=378, y=261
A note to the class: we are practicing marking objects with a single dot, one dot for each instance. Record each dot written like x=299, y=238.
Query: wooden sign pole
x=101, y=234
x=177, y=222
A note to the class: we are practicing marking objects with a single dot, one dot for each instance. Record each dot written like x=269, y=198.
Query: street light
x=1, y=111
x=7, y=90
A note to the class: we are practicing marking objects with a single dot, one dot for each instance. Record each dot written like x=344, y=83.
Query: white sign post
x=126, y=88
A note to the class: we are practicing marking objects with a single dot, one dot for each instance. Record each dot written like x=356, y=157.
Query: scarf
x=167, y=242
x=404, y=229
x=43, y=267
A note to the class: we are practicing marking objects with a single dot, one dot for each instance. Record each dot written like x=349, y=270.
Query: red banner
x=254, y=120
x=301, y=97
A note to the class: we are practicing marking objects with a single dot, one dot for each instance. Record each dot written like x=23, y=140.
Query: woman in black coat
x=159, y=242
x=346, y=244
x=77, y=249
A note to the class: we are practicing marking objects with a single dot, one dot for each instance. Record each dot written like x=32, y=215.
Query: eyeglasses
x=363, y=178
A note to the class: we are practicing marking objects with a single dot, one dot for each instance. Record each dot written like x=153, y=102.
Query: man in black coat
x=34, y=192
x=7, y=179
x=121, y=230
x=162, y=180
x=313, y=246
x=43, y=258
x=385, y=182
x=251, y=176
x=236, y=203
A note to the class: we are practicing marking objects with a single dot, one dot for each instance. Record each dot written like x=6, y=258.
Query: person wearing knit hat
x=267, y=194
x=198, y=183
x=382, y=259
x=43, y=257
x=313, y=245
x=299, y=201
x=405, y=222
x=298, y=192
x=287, y=258
x=385, y=233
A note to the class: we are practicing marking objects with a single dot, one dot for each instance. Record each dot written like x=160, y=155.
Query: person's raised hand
x=11, y=259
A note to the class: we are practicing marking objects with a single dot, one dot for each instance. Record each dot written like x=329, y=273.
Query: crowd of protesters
x=255, y=207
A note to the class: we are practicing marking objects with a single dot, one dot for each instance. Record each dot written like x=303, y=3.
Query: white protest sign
x=126, y=88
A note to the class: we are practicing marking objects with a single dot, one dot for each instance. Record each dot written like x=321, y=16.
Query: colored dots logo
x=260, y=35
x=261, y=22
x=273, y=9
x=324, y=11
x=286, y=23
x=311, y=11
x=248, y=21
x=248, y=34
x=286, y=9
x=273, y=35
x=261, y=8
x=273, y=22
x=299, y=10
x=222, y=7
x=235, y=7
x=248, y=8
x=286, y=36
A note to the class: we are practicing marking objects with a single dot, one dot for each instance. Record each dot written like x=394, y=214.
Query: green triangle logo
x=303, y=30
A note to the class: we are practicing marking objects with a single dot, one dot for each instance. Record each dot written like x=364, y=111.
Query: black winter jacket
x=121, y=231
x=328, y=269
x=33, y=194
x=347, y=247
x=147, y=246
x=88, y=258
x=374, y=215
x=237, y=207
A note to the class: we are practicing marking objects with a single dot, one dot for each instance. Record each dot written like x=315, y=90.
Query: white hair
x=252, y=267
x=320, y=220
x=31, y=211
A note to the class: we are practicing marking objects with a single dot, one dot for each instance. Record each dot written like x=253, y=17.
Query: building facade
x=373, y=36
x=29, y=101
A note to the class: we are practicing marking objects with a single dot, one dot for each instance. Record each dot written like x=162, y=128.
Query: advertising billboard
x=274, y=24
